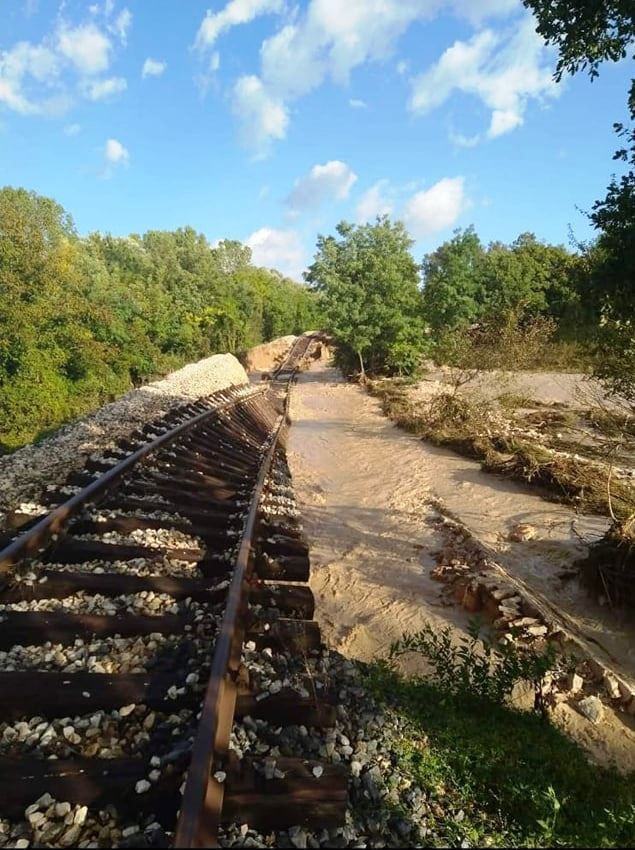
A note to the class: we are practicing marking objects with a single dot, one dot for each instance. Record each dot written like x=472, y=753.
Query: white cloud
x=402, y=67
x=115, y=153
x=121, y=25
x=153, y=68
x=262, y=116
x=327, y=39
x=72, y=129
x=86, y=47
x=356, y=103
x=505, y=71
x=214, y=62
x=436, y=208
x=46, y=78
x=278, y=249
x=331, y=181
x=103, y=89
x=236, y=12
x=373, y=203
x=26, y=64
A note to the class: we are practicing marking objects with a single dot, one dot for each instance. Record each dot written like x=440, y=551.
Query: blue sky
x=269, y=121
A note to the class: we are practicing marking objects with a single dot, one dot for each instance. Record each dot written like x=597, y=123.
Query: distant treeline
x=82, y=320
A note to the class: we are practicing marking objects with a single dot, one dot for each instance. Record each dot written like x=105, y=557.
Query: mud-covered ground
x=372, y=497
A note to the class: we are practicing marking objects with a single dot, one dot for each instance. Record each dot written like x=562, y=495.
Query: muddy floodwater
x=367, y=492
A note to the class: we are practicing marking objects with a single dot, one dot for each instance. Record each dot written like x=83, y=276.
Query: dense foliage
x=466, y=282
x=84, y=319
x=588, y=33
x=369, y=284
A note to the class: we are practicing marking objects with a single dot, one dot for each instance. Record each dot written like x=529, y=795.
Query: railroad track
x=145, y=616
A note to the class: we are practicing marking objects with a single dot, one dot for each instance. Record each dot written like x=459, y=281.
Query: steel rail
x=203, y=795
x=34, y=540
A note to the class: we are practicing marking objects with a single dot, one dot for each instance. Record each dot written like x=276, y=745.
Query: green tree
x=530, y=273
x=465, y=282
x=588, y=34
x=452, y=285
x=368, y=281
x=81, y=320
x=231, y=256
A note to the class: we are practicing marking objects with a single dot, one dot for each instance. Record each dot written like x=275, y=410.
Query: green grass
x=518, y=779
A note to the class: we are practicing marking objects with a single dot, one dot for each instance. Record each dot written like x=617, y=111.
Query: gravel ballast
x=25, y=473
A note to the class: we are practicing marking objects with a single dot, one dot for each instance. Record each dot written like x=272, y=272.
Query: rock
x=522, y=532
x=537, y=631
x=611, y=686
x=142, y=786
x=471, y=600
x=125, y=710
x=592, y=709
x=71, y=836
x=298, y=837
x=317, y=771
x=80, y=816
x=574, y=683
x=22, y=842
x=62, y=809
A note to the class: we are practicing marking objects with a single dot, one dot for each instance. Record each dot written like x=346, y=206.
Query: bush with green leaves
x=477, y=665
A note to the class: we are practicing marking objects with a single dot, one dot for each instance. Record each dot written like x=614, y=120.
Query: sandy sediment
x=263, y=358
x=369, y=496
x=24, y=473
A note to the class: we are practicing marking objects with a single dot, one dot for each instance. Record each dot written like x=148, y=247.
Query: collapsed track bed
x=153, y=626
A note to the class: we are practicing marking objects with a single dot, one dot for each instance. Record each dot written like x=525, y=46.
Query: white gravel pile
x=24, y=473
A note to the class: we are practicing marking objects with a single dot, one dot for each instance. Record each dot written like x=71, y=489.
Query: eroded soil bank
x=370, y=496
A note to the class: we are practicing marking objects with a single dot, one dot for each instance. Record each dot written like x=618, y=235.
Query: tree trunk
x=361, y=365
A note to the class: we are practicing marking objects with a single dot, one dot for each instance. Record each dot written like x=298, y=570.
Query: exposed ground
x=264, y=357
x=377, y=505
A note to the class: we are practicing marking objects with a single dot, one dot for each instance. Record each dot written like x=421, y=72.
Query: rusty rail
x=32, y=542
x=203, y=795
x=203, y=799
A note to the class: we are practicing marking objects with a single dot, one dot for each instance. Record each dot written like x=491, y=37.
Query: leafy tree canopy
x=369, y=284
x=463, y=281
x=81, y=320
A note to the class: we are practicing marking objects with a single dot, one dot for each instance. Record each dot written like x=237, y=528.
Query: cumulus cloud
x=103, y=89
x=278, y=249
x=86, y=47
x=262, y=116
x=505, y=71
x=374, y=202
x=356, y=103
x=153, y=68
x=235, y=13
x=329, y=39
x=46, y=78
x=436, y=208
x=115, y=154
x=331, y=181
